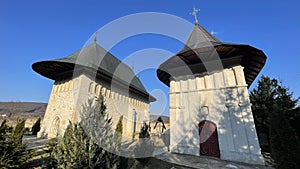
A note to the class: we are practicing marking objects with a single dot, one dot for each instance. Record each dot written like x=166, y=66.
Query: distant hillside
x=35, y=110
x=22, y=109
x=154, y=117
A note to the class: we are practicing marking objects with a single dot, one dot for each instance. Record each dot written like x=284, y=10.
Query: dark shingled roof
x=202, y=44
x=90, y=57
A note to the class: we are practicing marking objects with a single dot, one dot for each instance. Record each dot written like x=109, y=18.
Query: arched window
x=58, y=87
x=54, y=88
x=97, y=89
x=91, y=87
x=71, y=86
x=132, y=101
x=103, y=91
x=112, y=95
x=107, y=93
x=134, y=121
x=75, y=84
x=68, y=86
x=63, y=85
x=55, y=126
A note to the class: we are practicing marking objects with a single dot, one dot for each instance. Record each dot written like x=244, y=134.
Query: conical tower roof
x=201, y=44
x=199, y=37
x=96, y=59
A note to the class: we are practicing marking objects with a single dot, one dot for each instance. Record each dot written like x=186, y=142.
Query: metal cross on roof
x=95, y=37
x=195, y=11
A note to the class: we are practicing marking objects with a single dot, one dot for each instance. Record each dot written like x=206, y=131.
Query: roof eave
x=256, y=61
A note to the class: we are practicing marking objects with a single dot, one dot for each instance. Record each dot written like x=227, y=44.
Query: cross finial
x=195, y=11
x=132, y=67
x=95, y=37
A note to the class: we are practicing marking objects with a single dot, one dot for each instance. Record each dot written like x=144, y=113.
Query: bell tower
x=210, y=109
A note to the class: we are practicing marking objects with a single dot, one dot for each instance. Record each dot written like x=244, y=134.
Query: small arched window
x=71, y=86
x=55, y=126
x=54, y=88
x=91, y=87
x=58, y=87
x=63, y=85
x=103, y=91
x=98, y=89
x=107, y=93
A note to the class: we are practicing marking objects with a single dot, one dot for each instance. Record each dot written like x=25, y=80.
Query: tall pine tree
x=13, y=152
x=3, y=130
x=285, y=145
x=268, y=93
x=271, y=105
x=144, y=147
x=119, y=129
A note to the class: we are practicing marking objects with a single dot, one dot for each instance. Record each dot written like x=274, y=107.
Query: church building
x=85, y=75
x=210, y=109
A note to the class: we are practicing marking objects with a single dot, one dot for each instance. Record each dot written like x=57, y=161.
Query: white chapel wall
x=60, y=109
x=223, y=99
x=68, y=96
x=120, y=103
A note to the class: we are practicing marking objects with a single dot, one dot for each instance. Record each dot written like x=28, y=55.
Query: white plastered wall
x=67, y=98
x=222, y=98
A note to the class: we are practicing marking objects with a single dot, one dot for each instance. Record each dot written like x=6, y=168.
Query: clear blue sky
x=37, y=30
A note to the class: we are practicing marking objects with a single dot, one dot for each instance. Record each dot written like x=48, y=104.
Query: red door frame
x=209, y=143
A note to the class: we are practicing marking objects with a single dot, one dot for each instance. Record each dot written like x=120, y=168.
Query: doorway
x=209, y=143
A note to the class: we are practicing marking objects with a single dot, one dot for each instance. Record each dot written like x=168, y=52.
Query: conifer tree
x=18, y=132
x=119, y=129
x=13, y=153
x=3, y=130
x=144, y=147
x=75, y=150
x=271, y=106
x=285, y=146
x=97, y=124
x=144, y=133
x=268, y=93
x=88, y=144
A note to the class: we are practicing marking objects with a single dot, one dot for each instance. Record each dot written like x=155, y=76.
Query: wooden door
x=209, y=144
